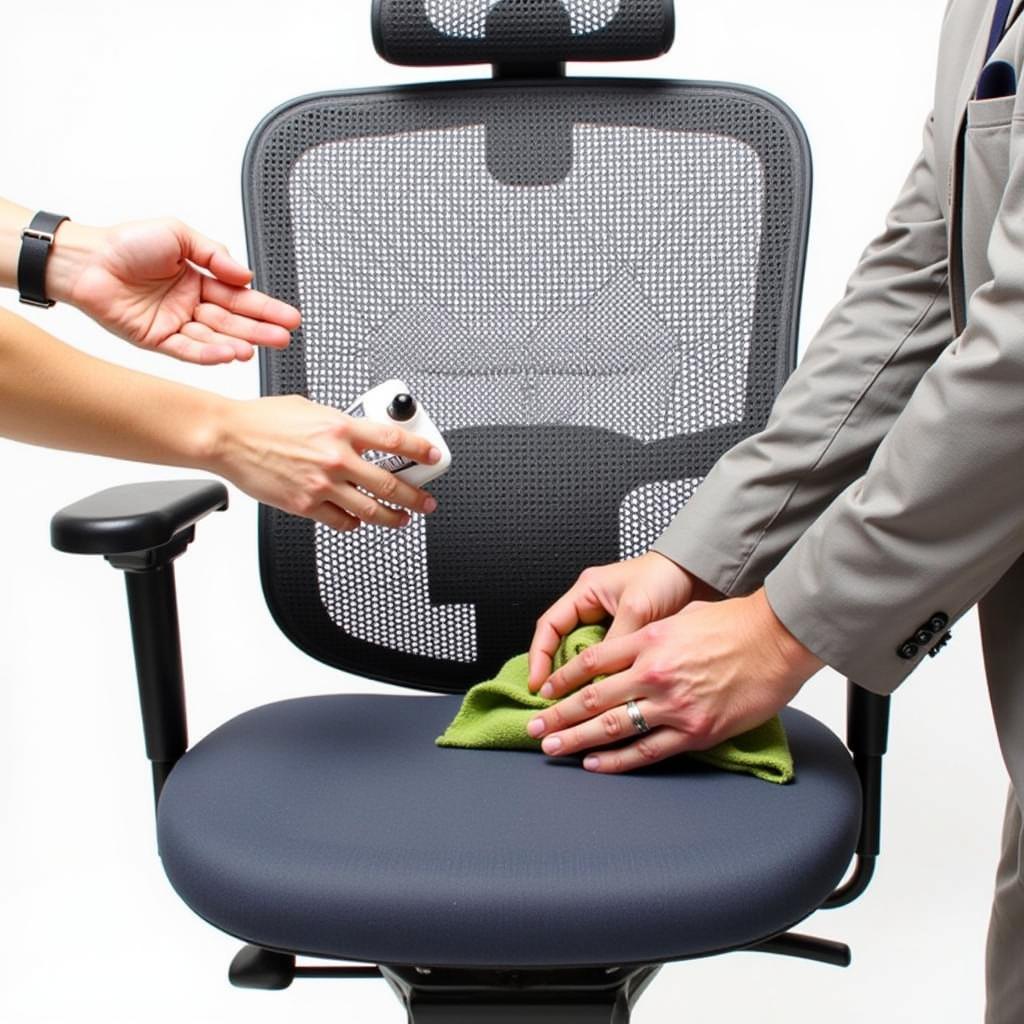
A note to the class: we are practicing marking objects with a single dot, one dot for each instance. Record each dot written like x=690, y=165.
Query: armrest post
x=867, y=734
x=867, y=728
x=156, y=640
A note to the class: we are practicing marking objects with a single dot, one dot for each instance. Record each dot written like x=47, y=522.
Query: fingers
x=547, y=635
x=587, y=703
x=611, y=726
x=191, y=350
x=249, y=303
x=334, y=517
x=599, y=660
x=633, y=612
x=241, y=328
x=578, y=605
x=390, y=488
x=650, y=748
x=219, y=336
x=227, y=288
x=366, y=435
x=368, y=509
x=224, y=347
x=213, y=256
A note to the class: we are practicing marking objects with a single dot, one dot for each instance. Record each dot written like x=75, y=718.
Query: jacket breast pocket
x=986, y=169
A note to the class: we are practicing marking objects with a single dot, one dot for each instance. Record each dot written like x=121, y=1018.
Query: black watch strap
x=36, y=241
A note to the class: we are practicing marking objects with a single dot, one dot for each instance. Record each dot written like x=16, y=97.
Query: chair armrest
x=135, y=517
x=141, y=529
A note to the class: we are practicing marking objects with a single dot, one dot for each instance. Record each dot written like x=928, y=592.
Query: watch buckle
x=43, y=236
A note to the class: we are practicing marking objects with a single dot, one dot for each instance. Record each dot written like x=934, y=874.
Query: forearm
x=12, y=219
x=828, y=422
x=286, y=451
x=53, y=395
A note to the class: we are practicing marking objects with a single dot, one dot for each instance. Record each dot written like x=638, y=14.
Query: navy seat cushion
x=333, y=826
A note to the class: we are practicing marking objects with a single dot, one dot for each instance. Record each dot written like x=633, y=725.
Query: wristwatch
x=36, y=242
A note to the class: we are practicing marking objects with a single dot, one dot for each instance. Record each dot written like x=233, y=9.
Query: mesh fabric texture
x=427, y=32
x=592, y=286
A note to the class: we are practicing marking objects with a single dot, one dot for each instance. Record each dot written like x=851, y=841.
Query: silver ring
x=636, y=716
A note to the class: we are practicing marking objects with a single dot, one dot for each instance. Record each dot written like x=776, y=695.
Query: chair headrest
x=520, y=32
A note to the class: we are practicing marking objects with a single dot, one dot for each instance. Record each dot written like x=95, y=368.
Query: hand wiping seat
x=494, y=715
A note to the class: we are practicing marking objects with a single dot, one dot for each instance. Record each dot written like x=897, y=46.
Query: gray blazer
x=886, y=493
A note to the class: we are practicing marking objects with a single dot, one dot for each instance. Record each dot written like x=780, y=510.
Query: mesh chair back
x=593, y=287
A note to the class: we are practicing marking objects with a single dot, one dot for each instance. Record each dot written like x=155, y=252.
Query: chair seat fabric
x=334, y=826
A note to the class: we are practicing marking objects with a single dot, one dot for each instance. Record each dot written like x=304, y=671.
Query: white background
x=116, y=110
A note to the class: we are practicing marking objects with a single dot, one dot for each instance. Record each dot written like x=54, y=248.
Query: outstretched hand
x=144, y=281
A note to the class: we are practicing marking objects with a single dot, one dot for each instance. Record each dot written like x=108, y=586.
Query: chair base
x=567, y=996
x=563, y=995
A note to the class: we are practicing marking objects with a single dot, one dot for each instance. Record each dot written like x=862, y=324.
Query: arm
x=705, y=672
x=301, y=457
x=938, y=517
x=934, y=522
x=828, y=420
x=142, y=282
x=854, y=380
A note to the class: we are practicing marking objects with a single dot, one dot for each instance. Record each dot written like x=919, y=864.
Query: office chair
x=593, y=286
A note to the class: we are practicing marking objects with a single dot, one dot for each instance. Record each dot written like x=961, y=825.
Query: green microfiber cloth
x=494, y=715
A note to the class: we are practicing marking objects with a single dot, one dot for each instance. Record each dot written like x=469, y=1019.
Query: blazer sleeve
x=938, y=517
x=851, y=385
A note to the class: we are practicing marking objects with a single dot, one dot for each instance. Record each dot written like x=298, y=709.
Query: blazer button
x=922, y=636
x=907, y=650
x=938, y=622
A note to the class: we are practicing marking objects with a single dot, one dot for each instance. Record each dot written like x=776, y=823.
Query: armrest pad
x=134, y=517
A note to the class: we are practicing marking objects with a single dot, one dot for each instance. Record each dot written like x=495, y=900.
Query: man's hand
x=142, y=282
x=635, y=592
x=701, y=676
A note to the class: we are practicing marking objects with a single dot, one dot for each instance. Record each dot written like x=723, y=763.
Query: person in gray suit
x=883, y=499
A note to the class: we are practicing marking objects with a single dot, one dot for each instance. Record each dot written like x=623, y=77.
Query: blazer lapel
x=974, y=62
